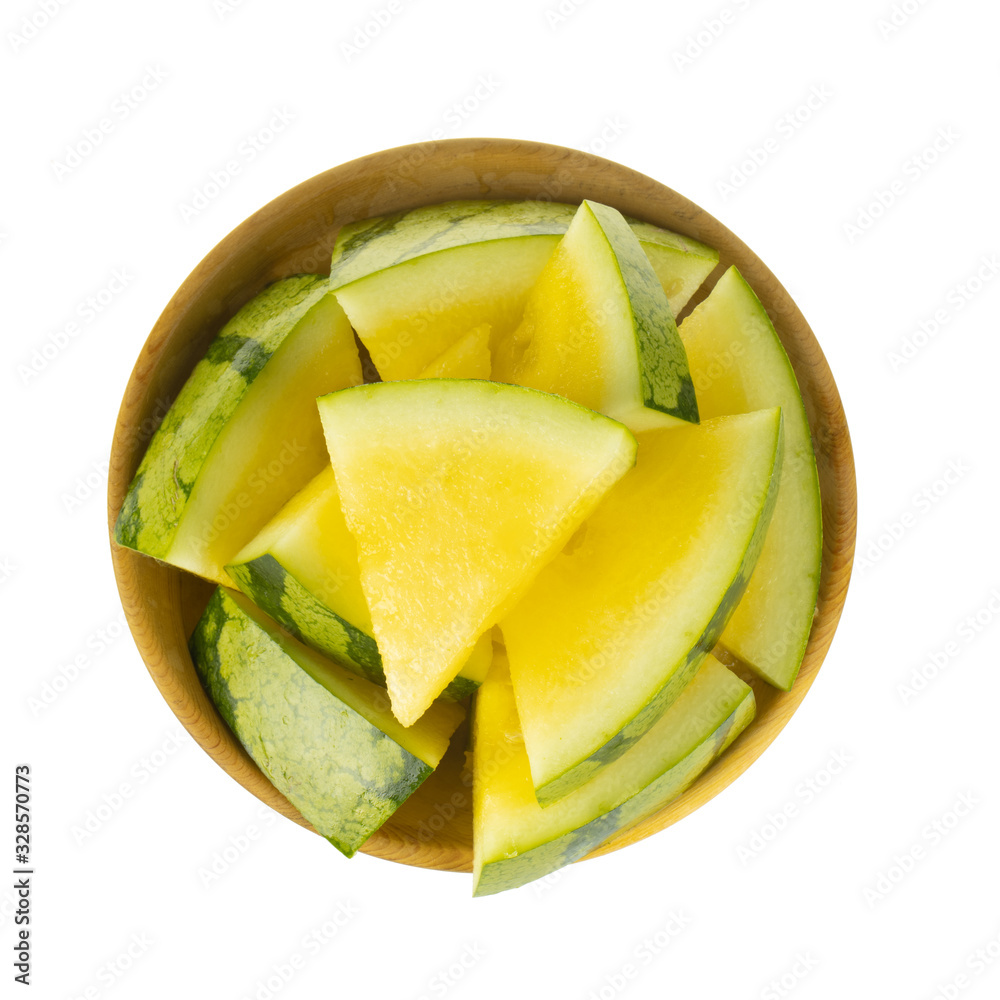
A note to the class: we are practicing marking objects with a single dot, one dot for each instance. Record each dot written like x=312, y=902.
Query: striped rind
x=503, y=873
x=669, y=240
x=362, y=248
x=371, y=245
x=767, y=635
x=293, y=606
x=665, y=381
x=156, y=499
x=338, y=769
x=297, y=609
x=536, y=863
x=461, y=687
x=760, y=510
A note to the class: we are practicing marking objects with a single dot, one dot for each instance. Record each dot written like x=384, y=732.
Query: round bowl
x=295, y=233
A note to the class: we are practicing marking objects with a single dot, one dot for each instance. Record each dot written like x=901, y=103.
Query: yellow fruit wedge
x=616, y=625
x=739, y=364
x=598, y=329
x=302, y=569
x=414, y=282
x=243, y=436
x=457, y=493
x=516, y=841
x=468, y=357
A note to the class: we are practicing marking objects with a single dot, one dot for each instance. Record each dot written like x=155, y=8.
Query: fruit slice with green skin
x=516, y=841
x=243, y=435
x=680, y=262
x=739, y=365
x=617, y=624
x=598, y=329
x=468, y=357
x=302, y=569
x=324, y=737
x=413, y=283
x=457, y=492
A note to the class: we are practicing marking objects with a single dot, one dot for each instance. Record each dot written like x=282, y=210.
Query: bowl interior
x=295, y=233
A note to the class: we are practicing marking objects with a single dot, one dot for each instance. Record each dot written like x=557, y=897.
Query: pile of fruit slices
x=554, y=498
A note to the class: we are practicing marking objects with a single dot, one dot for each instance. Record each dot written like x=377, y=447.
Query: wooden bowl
x=295, y=233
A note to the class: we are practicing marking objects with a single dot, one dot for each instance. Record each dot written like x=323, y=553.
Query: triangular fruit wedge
x=457, y=493
x=598, y=329
x=414, y=282
x=739, y=364
x=302, y=569
x=516, y=841
x=324, y=737
x=243, y=434
x=616, y=625
x=468, y=357
x=680, y=262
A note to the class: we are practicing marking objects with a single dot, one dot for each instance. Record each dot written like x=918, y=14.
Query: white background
x=881, y=883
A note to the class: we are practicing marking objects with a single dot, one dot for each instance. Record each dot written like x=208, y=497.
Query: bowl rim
x=485, y=168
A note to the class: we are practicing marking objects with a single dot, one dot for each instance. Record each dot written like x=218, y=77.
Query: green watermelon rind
x=647, y=716
x=343, y=774
x=502, y=874
x=278, y=592
x=158, y=495
x=794, y=626
x=293, y=606
x=369, y=246
x=665, y=381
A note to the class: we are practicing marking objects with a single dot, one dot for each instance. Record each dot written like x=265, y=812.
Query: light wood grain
x=295, y=233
